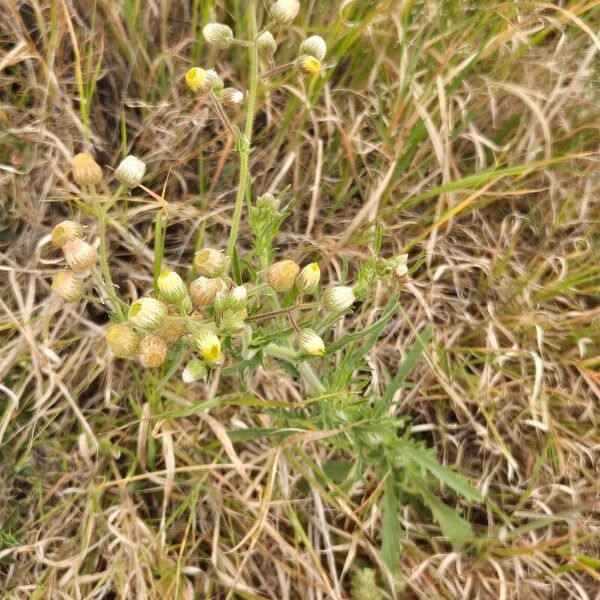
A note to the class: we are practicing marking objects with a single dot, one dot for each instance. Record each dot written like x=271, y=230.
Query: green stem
x=244, y=144
x=110, y=286
x=309, y=377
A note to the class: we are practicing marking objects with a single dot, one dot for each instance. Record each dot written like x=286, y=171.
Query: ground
x=462, y=133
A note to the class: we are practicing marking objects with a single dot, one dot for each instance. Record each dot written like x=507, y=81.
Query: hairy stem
x=110, y=287
x=245, y=143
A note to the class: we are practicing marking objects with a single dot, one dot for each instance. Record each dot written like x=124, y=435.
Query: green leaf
x=372, y=331
x=235, y=267
x=412, y=357
x=452, y=524
x=426, y=460
x=390, y=526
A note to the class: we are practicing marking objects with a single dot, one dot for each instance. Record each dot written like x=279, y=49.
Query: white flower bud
x=171, y=287
x=68, y=286
x=210, y=262
x=86, y=171
x=400, y=266
x=284, y=11
x=217, y=34
x=231, y=96
x=194, y=371
x=153, y=352
x=80, y=256
x=309, y=277
x=266, y=43
x=208, y=345
x=204, y=289
x=122, y=341
x=339, y=298
x=311, y=343
x=240, y=295
x=281, y=275
x=66, y=231
x=314, y=46
x=233, y=300
x=131, y=171
x=148, y=313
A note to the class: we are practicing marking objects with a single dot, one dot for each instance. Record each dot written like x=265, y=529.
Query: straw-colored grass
x=464, y=133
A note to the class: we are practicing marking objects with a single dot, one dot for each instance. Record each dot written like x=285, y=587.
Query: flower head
x=171, y=287
x=208, y=345
x=148, y=313
x=66, y=231
x=194, y=371
x=284, y=11
x=400, y=266
x=311, y=343
x=122, y=341
x=170, y=332
x=309, y=65
x=86, y=171
x=203, y=81
x=210, y=262
x=80, y=256
x=266, y=43
x=339, y=298
x=309, y=277
x=314, y=46
x=68, y=286
x=153, y=351
x=231, y=96
x=131, y=171
x=204, y=289
x=281, y=275
x=217, y=34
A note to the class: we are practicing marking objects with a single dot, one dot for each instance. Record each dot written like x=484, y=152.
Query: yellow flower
x=202, y=80
x=309, y=278
x=309, y=65
x=208, y=345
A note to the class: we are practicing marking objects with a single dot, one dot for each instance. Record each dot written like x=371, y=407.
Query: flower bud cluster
x=80, y=256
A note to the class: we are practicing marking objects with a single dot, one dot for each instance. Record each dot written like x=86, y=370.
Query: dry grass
x=465, y=133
